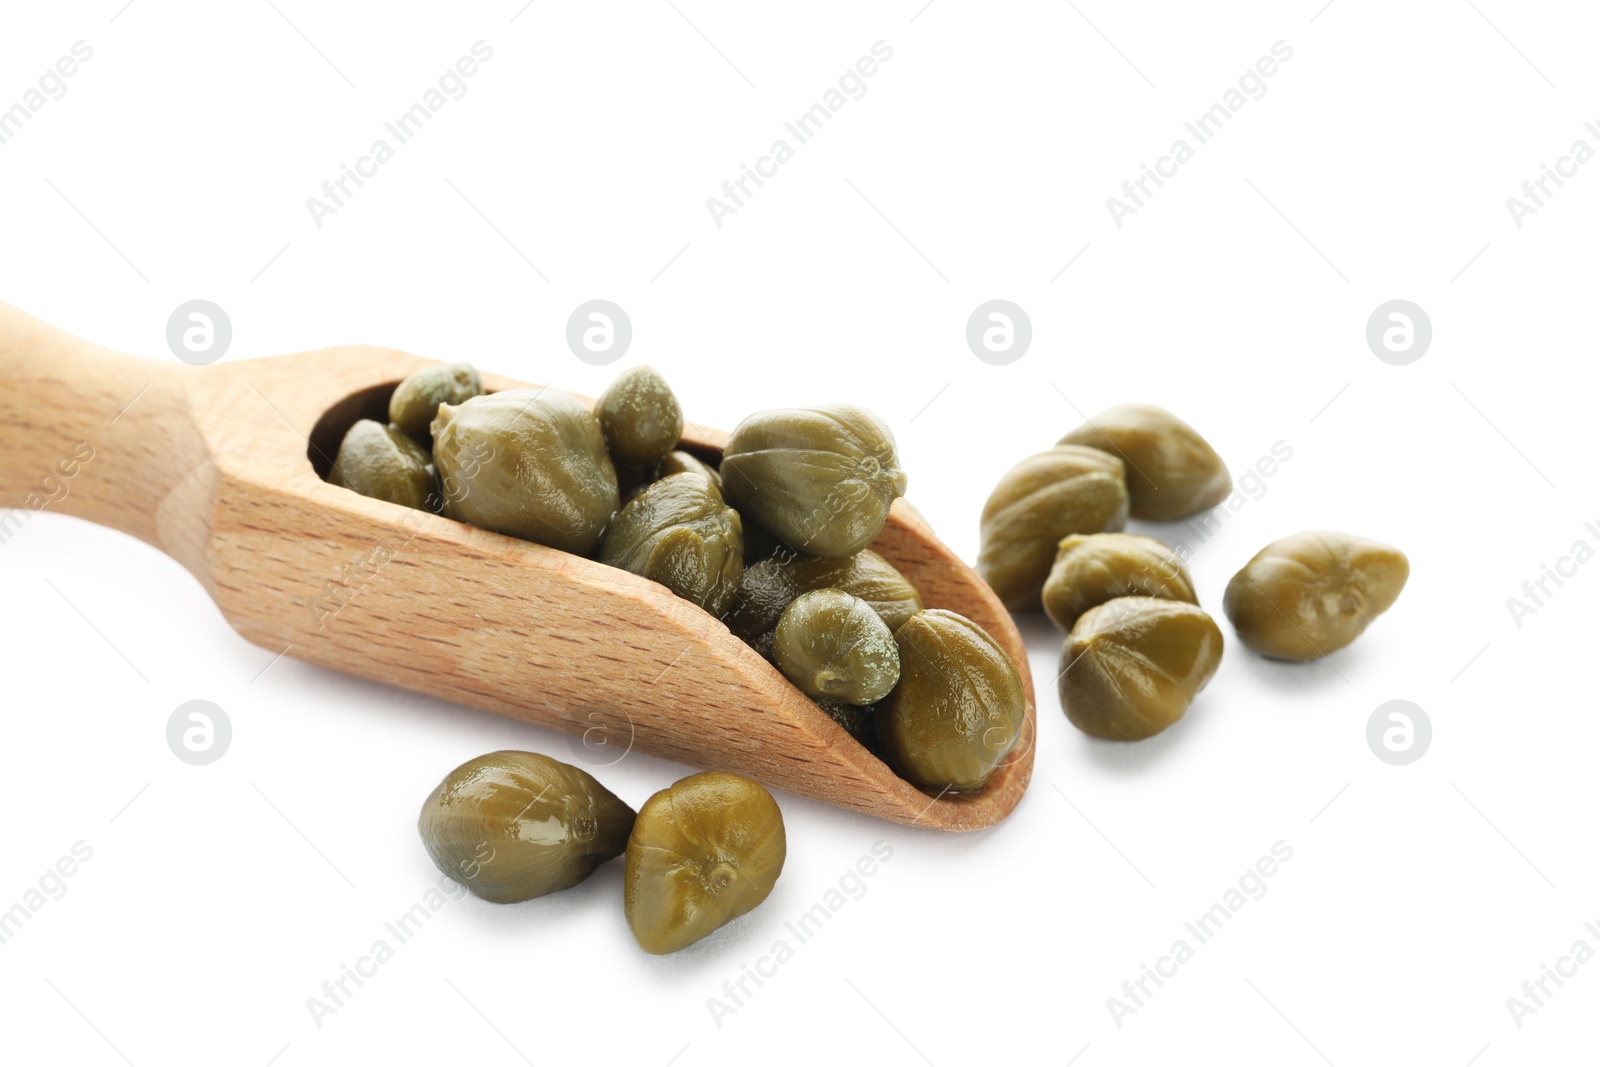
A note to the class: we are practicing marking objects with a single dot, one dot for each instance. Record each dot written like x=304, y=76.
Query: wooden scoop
x=220, y=467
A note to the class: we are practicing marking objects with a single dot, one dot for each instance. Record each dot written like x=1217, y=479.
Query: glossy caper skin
x=959, y=707
x=1131, y=667
x=381, y=462
x=821, y=479
x=1091, y=569
x=511, y=826
x=415, y=401
x=640, y=417
x=679, y=532
x=1172, y=471
x=1313, y=593
x=831, y=644
x=1069, y=489
x=703, y=852
x=530, y=463
x=681, y=462
x=770, y=585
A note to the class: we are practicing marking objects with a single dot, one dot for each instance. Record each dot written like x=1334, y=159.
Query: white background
x=978, y=164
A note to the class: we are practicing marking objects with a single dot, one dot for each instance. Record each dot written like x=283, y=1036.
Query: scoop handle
x=87, y=431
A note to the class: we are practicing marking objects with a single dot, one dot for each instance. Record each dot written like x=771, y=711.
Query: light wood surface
x=217, y=467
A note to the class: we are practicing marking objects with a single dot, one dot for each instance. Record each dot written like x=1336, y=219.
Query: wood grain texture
x=218, y=467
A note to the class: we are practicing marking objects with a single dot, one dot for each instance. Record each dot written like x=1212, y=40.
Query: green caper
x=415, y=401
x=1091, y=569
x=1131, y=666
x=381, y=462
x=702, y=853
x=681, y=462
x=959, y=707
x=1067, y=490
x=679, y=532
x=1312, y=593
x=531, y=463
x=831, y=644
x=821, y=479
x=1172, y=472
x=640, y=417
x=515, y=825
x=860, y=722
x=769, y=586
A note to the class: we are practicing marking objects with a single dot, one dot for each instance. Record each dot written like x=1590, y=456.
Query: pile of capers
x=773, y=538
x=511, y=826
x=1138, y=647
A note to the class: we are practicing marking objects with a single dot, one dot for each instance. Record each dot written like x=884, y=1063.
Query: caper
x=1172, y=472
x=959, y=707
x=679, y=532
x=860, y=722
x=1131, y=666
x=531, y=463
x=1091, y=569
x=1312, y=593
x=515, y=825
x=381, y=462
x=831, y=644
x=681, y=462
x=769, y=586
x=1067, y=490
x=415, y=401
x=703, y=852
x=821, y=479
x=640, y=417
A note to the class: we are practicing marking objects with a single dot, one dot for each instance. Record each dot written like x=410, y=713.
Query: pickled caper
x=768, y=587
x=959, y=707
x=831, y=644
x=1069, y=489
x=821, y=479
x=531, y=463
x=515, y=825
x=415, y=401
x=381, y=462
x=1313, y=593
x=640, y=417
x=679, y=532
x=1131, y=666
x=702, y=853
x=1091, y=569
x=1172, y=471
